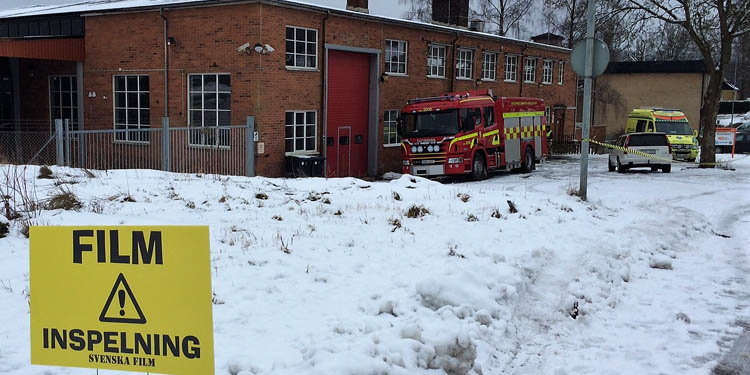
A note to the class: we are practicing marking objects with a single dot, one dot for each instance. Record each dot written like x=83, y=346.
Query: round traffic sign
x=601, y=58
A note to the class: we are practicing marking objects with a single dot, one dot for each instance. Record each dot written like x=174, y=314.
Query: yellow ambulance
x=670, y=121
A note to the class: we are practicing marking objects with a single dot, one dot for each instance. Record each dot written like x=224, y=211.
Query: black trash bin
x=304, y=166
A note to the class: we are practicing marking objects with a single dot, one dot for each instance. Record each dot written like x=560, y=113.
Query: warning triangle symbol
x=121, y=306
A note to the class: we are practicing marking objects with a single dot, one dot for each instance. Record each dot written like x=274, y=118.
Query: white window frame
x=295, y=53
x=529, y=69
x=461, y=58
x=390, y=128
x=124, y=137
x=547, y=68
x=434, y=56
x=561, y=73
x=192, y=128
x=73, y=105
x=305, y=136
x=489, y=66
x=511, y=68
x=389, y=53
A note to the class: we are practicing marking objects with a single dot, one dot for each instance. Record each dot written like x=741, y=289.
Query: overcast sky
x=389, y=8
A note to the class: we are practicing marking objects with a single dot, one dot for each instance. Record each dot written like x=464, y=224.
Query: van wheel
x=654, y=169
x=479, y=168
x=610, y=166
x=528, y=161
x=666, y=168
x=620, y=167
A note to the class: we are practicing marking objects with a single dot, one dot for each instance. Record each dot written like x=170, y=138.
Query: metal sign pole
x=587, y=83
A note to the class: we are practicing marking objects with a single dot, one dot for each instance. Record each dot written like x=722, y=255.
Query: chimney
x=451, y=12
x=357, y=6
x=476, y=25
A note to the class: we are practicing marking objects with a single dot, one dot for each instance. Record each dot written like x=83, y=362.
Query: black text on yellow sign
x=122, y=298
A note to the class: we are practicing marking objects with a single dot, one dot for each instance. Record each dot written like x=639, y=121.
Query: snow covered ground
x=322, y=276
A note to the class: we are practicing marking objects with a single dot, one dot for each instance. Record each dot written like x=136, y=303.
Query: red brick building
x=313, y=77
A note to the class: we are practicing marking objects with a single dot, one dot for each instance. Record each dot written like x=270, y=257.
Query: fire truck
x=471, y=133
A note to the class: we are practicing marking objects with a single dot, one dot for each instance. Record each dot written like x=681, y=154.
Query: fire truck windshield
x=430, y=124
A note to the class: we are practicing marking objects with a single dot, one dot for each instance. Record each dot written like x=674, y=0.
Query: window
x=548, y=116
x=489, y=116
x=301, y=47
x=132, y=108
x=63, y=93
x=436, y=61
x=395, y=57
x=301, y=131
x=390, y=133
x=470, y=118
x=464, y=63
x=511, y=67
x=209, y=107
x=530, y=70
x=547, y=66
x=561, y=73
x=489, y=66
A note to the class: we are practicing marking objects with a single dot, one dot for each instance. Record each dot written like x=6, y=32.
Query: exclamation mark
x=121, y=295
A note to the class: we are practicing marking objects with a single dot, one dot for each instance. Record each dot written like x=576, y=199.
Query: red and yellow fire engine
x=471, y=133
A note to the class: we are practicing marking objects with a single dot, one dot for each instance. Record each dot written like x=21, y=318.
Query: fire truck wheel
x=479, y=168
x=528, y=161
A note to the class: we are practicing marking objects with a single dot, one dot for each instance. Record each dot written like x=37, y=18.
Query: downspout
x=323, y=97
x=522, y=69
x=166, y=65
x=453, y=64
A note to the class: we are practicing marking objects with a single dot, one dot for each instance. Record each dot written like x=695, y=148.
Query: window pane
x=132, y=116
x=310, y=146
x=289, y=132
x=120, y=100
x=224, y=101
x=310, y=61
x=300, y=34
x=290, y=33
x=196, y=118
x=196, y=101
x=132, y=83
x=145, y=117
x=225, y=118
x=310, y=130
x=225, y=83
x=290, y=60
x=209, y=82
x=55, y=84
x=300, y=143
x=144, y=100
x=144, y=83
x=299, y=131
x=209, y=101
x=196, y=83
x=120, y=116
x=65, y=84
x=209, y=118
x=300, y=61
x=289, y=46
x=311, y=35
x=289, y=117
x=310, y=48
x=300, y=118
x=132, y=100
x=120, y=83
x=289, y=145
x=310, y=117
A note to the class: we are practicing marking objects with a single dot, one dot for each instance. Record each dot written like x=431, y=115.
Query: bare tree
x=568, y=18
x=713, y=26
x=503, y=15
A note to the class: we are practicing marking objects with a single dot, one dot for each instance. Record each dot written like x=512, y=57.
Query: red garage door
x=348, y=108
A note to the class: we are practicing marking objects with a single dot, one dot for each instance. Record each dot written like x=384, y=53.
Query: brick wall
x=207, y=40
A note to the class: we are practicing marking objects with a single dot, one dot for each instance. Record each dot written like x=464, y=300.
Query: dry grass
x=417, y=211
x=64, y=200
x=4, y=228
x=396, y=196
x=472, y=218
x=45, y=173
x=261, y=196
x=464, y=197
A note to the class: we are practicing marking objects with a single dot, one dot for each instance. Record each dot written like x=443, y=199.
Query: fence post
x=59, y=142
x=250, y=147
x=166, y=163
x=67, y=142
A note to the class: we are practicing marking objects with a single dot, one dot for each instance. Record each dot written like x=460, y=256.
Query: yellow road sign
x=122, y=298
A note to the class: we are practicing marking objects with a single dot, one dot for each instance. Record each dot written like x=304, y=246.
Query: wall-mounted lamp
x=383, y=77
x=171, y=41
x=213, y=65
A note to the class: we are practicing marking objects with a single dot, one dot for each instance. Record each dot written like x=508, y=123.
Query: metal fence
x=228, y=150
x=35, y=145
